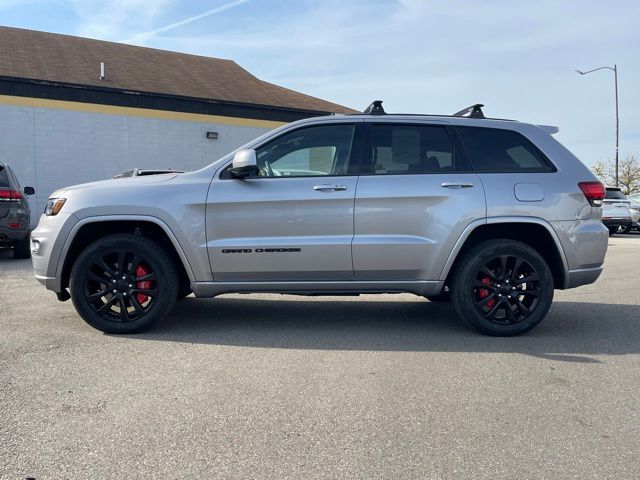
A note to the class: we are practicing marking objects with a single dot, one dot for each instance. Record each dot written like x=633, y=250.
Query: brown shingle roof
x=76, y=60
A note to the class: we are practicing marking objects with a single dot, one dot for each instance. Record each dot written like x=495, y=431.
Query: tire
x=613, y=231
x=625, y=229
x=145, y=282
x=496, y=309
x=22, y=249
x=184, y=292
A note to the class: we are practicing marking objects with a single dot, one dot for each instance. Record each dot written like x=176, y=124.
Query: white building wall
x=51, y=148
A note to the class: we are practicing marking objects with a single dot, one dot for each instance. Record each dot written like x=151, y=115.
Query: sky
x=418, y=56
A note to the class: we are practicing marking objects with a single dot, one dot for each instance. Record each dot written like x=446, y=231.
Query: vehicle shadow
x=572, y=332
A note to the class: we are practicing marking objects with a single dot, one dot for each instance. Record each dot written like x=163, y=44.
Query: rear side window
x=4, y=177
x=398, y=149
x=494, y=150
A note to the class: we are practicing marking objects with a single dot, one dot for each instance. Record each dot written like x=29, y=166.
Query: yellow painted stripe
x=134, y=112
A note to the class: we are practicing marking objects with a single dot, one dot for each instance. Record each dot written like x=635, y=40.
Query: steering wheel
x=267, y=171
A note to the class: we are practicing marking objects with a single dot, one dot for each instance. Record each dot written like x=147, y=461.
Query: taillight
x=10, y=195
x=593, y=191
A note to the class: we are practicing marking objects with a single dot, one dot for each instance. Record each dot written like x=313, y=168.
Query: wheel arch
x=91, y=229
x=535, y=232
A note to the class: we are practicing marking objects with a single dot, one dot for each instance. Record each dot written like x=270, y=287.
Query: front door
x=294, y=220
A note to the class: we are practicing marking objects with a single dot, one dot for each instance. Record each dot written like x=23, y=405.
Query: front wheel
x=625, y=229
x=613, y=231
x=123, y=284
x=502, y=288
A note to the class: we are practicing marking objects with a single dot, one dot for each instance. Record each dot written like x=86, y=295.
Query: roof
x=30, y=54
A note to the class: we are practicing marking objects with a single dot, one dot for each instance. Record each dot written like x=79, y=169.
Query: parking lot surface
x=270, y=386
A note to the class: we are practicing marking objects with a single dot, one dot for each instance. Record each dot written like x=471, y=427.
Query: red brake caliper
x=483, y=292
x=144, y=285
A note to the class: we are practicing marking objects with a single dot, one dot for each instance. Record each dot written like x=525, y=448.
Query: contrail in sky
x=143, y=37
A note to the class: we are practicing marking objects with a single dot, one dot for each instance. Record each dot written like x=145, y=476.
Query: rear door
x=415, y=197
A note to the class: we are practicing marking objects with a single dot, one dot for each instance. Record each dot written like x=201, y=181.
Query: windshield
x=614, y=194
x=4, y=177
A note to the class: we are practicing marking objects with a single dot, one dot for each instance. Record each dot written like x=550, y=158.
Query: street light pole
x=615, y=78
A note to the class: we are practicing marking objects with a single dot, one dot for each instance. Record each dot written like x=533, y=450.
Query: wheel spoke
x=485, y=300
x=106, y=268
x=478, y=284
x=534, y=292
x=97, y=278
x=121, y=255
x=516, y=269
x=523, y=309
x=148, y=277
x=510, y=317
x=95, y=296
x=124, y=314
x=491, y=313
x=136, y=305
x=529, y=278
x=107, y=305
x=152, y=292
x=489, y=273
x=503, y=265
x=134, y=264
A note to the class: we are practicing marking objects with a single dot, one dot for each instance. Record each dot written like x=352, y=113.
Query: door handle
x=456, y=185
x=330, y=188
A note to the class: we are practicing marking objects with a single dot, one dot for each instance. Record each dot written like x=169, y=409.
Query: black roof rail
x=474, y=111
x=375, y=108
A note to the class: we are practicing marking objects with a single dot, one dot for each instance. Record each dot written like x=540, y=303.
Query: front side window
x=409, y=149
x=308, y=152
x=494, y=150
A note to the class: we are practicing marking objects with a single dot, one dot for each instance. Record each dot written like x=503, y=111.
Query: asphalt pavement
x=285, y=387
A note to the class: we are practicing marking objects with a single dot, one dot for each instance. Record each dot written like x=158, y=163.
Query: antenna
x=101, y=70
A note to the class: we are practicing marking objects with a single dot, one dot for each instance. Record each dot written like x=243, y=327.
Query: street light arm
x=595, y=70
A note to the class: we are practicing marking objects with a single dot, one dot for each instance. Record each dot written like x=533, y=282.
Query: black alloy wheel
x=123, y=284
x=503, y=287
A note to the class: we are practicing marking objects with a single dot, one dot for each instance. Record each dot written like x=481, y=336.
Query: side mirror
x=29, y=191
x=245, y=164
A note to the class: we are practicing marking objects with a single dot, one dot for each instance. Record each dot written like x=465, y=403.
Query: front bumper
x=51, y=235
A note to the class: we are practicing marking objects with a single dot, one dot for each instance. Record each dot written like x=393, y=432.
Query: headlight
x=54, y=205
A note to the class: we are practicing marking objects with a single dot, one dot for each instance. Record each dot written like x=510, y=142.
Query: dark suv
x=15, y=214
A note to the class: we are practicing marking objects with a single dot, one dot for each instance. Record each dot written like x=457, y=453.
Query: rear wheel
x=22, y=248
x=502, y=288
x=123, y=284
x=625, y=229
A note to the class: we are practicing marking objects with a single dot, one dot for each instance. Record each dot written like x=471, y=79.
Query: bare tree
x=628, y=173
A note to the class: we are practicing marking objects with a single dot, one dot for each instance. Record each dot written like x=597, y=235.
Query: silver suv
x=492, y=215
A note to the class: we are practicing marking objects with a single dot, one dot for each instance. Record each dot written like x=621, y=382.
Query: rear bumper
x=616, y=221
x=583, y=276
x=11, y=235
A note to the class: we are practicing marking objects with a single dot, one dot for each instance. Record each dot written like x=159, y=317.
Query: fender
x=109, y=218
x=495, y=220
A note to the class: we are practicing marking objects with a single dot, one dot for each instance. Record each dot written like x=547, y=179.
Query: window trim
x=551, y=167
x=353, y=161
x=460, y=164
